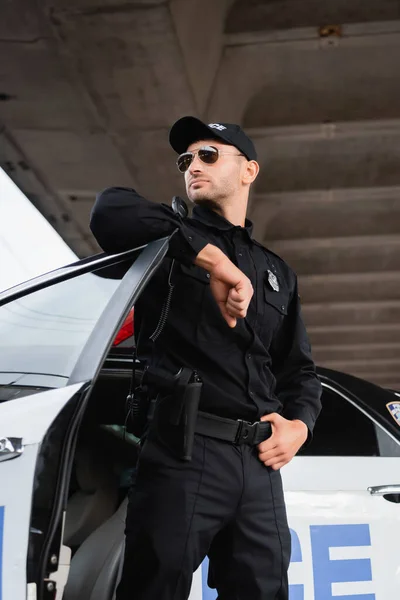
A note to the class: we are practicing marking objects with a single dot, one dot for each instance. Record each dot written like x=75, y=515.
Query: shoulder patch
x=394, y=409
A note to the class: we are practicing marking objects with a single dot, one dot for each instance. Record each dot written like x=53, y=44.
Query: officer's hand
x=232, y=291
x=230, y=287
x=286, y=440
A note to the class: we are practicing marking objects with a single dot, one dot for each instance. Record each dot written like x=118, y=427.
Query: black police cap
x=188, y=130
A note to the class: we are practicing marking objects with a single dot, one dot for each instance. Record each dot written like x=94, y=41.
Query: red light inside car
x=126, y=331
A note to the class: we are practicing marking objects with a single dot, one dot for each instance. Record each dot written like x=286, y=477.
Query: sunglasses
x=207, y=154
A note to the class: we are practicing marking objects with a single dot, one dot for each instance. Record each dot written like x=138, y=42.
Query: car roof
x=368, y=396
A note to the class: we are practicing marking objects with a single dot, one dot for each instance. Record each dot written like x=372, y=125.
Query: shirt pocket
x=275, y=306
x=276, y=300
x=190, y=283
x=210, y=326
x=195, y=274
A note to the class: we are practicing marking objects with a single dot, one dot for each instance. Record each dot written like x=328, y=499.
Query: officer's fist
x=230, y=287
x=233, y=301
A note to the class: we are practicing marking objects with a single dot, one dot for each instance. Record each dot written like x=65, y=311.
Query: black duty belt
x=237, y=432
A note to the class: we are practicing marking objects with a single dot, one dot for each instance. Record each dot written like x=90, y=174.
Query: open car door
x=55, y=332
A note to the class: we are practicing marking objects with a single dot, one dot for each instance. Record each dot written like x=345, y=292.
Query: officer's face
x=207, y=183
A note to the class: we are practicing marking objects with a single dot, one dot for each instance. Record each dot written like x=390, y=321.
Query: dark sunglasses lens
x=184, y=161
x=208, y=155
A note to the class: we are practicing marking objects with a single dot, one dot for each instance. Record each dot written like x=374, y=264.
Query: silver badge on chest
x=273, y=281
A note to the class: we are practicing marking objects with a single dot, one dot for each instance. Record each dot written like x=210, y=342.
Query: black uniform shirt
x=262, y=365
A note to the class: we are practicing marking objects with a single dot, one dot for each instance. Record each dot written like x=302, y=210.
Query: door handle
x=383, y=490
x=10, y=448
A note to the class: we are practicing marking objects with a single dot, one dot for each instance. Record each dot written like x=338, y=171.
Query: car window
x=386, y=444
x=343, y=430
x=43, y=333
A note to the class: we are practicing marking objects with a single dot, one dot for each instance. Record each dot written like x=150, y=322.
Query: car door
x=19, y=450
x=54, y=334
x=342, y=496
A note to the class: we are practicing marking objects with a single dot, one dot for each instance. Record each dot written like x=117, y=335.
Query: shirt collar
x=213, y=219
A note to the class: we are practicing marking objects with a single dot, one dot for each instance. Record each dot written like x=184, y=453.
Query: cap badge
x=217, y=126
x=273, y=281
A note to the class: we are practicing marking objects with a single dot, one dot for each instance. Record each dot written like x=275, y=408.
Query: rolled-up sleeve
x=298, y=386
x=121, y=219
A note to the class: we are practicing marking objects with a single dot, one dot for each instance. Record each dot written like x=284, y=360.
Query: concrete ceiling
x=89, y=88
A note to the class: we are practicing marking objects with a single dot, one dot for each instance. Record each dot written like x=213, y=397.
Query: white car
x=65, y=462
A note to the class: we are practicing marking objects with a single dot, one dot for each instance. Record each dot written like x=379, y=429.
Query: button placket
x=239, y=252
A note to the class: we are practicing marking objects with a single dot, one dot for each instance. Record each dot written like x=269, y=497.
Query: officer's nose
x=195, y=165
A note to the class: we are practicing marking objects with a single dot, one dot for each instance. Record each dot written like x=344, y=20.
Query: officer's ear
x=251, y=171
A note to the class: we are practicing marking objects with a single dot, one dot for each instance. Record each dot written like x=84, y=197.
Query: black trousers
x=225, y=504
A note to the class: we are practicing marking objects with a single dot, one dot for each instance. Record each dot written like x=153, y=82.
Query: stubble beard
x=209, y=203
x=213, y=201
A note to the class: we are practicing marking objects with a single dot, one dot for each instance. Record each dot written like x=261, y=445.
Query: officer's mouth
x=197, y=181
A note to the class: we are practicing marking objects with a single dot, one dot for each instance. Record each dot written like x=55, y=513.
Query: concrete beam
x=296, y=66
x=355, y=35
x=375, y=333
x=351, y=313
x=340, y=255
x=82, y=7
x=199, y=27
x=319, y=131
x=306, y=198
x=20, y=22
x=285, y=215
x=130, y=62
x=290, y=166
x=336, y=219
x=264, y=17
x=350, y=287
x=369, y=368
x=362, y=352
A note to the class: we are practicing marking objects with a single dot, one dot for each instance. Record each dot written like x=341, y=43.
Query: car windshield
x=43, y=333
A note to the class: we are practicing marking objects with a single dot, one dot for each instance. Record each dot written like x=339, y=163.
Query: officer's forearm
x=122, y=219
x=221, y=268
x=209, y=257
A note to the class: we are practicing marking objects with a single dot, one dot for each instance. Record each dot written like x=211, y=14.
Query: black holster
x=168, y=405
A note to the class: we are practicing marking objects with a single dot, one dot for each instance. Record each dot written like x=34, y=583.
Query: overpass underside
x=89, y=88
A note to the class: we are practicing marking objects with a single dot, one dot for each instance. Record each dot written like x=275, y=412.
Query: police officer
x=233, y=315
